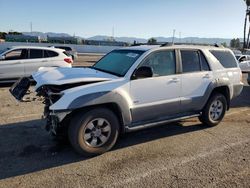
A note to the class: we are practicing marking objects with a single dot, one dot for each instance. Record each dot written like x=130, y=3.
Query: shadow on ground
x=26, y=147
x=243, y=100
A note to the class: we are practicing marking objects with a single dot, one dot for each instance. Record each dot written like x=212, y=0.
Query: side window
x=35, y=53
x=48, y=53
x=16, y=54
x=162, y=63
x=204, y=63
x=243, y=58
x=190, y=61
x=225, y=57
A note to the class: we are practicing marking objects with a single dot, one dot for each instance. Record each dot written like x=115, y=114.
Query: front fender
x=100, y=98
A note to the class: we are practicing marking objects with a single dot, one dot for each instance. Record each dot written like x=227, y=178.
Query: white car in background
x=22, y=61
x=244, y=63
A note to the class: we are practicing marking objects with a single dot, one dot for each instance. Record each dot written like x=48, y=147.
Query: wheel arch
x=114, y=107
x=222, y=89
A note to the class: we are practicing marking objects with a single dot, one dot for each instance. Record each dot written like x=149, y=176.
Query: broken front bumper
x=20, y=88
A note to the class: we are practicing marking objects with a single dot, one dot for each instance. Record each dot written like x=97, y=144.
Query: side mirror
x=2, y=57
x=143, y=72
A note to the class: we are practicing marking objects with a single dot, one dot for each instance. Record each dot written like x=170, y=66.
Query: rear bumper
x=237, y=89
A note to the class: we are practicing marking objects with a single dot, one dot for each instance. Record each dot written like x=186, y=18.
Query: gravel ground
x=184, y=154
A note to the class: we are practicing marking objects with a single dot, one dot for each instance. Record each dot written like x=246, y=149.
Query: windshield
x=4, y=50
x=118, y=62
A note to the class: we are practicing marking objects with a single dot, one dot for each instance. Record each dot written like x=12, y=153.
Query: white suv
x=20, y=61
x=134, y=88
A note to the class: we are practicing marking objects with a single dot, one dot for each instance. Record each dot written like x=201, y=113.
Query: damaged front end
x=49, y=94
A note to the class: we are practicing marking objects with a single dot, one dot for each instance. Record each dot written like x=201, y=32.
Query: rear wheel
x=94, y=132
x=214, y=110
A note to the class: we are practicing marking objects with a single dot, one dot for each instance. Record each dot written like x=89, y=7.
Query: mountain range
x=138, y=40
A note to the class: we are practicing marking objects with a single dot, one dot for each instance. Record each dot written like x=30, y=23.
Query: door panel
x=12, y=66
x=155, y=98
x=192, y=96
x=11, y=69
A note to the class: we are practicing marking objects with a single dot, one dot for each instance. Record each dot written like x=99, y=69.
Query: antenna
x=173, y=36
x=31, y=27
x=113, y=33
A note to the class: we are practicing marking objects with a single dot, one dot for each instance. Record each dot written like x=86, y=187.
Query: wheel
x=93, y=132
x=214, y=110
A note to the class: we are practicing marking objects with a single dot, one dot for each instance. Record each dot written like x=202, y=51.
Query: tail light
x=241, y=77
x=68, y=60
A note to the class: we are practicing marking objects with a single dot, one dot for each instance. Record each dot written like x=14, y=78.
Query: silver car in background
x=22, y=61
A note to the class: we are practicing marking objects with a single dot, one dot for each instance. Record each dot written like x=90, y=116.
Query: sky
x=130, y=18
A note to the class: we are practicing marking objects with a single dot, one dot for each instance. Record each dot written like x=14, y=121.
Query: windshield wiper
x=106, y=71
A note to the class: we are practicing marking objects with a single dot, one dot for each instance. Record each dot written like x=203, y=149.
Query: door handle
x=206, y=76
x=44, y=61
x=175, y=80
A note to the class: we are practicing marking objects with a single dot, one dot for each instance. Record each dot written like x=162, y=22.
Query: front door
x=12, y=67
x=157, y=97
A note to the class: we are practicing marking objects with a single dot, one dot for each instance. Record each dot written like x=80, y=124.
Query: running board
x=149, y=125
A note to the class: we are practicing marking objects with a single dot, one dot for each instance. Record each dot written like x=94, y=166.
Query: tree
x=152, y=41
x=2, y=35
x=14, y=33
x=224, y=44
x=235, y=43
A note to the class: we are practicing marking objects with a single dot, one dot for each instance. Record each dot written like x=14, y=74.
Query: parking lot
x=183, y=154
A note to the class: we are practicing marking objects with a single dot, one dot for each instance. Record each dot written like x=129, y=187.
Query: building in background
x=64, y=40
x=22, y=38
x=104, y=43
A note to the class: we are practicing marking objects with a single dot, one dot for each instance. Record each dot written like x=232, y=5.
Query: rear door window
x=36, y=53
x=204, y=63
x=226, y=59
x=190, y=61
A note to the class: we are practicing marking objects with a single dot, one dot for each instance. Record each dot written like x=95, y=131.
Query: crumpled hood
x=60, y=76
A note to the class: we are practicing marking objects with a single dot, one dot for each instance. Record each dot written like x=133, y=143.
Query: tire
x=93, y=132
x=214, y=111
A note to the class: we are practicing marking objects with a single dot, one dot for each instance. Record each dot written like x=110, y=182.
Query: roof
x=37, y=47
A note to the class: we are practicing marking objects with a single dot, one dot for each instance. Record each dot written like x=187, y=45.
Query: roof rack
x=167, y=44
x=218, y=45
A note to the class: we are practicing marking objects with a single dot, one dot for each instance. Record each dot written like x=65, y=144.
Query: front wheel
x=93, y=132
x=214, y=110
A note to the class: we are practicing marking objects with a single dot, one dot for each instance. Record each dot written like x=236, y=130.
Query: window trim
x=177, y=67
x=200, y=54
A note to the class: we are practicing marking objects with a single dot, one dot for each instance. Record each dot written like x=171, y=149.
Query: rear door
x=34, y=61
x=12, y=66
x=196, y=76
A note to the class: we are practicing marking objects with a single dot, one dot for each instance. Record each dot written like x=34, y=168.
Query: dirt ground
x=184, y=154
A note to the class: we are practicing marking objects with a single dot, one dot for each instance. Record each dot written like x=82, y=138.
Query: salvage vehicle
x=135, y=88
x=20, y=61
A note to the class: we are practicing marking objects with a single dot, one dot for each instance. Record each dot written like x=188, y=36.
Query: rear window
x=67, y=54
x=225, y=58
